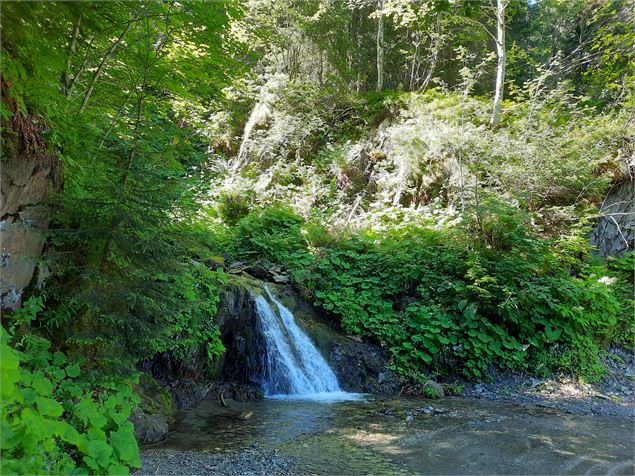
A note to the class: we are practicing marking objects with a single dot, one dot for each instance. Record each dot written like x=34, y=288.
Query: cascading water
x=291, y=366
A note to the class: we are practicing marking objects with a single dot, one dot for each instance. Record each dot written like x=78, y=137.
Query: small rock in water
x=409, y=418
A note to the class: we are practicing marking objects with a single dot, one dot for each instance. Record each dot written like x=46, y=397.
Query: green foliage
x=410, y=242
x=435, y=299
x=455, y=389
x=232, y=208
x=59, y=419
x=274, y=234
x=621, y=277
x=430, y=392
x=129, y=280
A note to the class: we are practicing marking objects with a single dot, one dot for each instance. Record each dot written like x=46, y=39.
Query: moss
x=154, y=398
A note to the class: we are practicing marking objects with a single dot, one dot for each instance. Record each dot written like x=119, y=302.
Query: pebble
x=262, y=461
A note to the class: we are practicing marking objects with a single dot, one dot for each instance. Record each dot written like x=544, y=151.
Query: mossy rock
x=155, y=400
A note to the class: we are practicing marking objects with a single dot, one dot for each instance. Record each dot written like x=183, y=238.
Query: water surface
x=450, y=436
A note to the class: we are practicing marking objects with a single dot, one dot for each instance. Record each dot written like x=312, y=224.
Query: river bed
x=375, y=436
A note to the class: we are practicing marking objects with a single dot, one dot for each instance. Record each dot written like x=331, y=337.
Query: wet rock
x=149, y=428
x=409, y=419
x=363, y=367
x=267, y=271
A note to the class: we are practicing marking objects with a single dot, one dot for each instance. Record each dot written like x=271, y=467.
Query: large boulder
x=149, y=428
x=363, y=367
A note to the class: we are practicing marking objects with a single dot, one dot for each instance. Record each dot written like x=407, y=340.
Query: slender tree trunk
x=358, y=55
x=436, y=48
x=100, y=68
x=415, y=61
x=321, y=69
x=65, y=81
x=500, y=70
x=73, y=80
x=380, y=46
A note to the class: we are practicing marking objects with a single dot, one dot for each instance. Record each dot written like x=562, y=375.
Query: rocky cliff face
x=29, y=174
x=615, y=232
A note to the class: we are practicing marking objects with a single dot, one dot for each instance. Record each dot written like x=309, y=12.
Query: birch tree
x=380, y=45
x=501, y=56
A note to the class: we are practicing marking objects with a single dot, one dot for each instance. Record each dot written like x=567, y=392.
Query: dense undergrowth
x=458, y=300
x=458, y=248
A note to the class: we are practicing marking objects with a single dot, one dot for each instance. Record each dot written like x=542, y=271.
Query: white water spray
x=292, y=367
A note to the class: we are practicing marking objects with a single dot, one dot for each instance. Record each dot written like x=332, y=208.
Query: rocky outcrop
x=239, y=324
x=363, y=367
x=360, y=366
x=194, y=378
x=615, y=232
x=29, y=174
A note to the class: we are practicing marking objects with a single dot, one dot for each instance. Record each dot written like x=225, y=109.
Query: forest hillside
x=450, y=180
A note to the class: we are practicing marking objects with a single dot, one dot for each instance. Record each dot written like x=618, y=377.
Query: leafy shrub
x=57, y=420
x=485, y=293
x=621, y=277
x=233, y=207
x=274, y=234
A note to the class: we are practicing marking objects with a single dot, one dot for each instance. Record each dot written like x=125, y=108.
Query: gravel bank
x=614, y=395
x=252, y=461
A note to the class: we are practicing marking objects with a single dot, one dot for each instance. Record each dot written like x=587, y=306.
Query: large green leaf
x=125, y=445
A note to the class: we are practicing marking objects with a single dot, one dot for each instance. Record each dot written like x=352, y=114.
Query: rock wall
x=615, y=231
x=29, y=173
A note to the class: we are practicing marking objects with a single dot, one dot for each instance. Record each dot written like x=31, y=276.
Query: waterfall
x=291, y=365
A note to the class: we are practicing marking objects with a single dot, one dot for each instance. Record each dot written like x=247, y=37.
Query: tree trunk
x=100, y=68
x=65, y=81
x=380, y=46
x=436, y=48
x=415, y=61
x=500, y=70
x=358, y=54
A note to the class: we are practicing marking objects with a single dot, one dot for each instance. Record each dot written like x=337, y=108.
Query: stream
x=371, y=436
